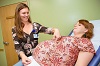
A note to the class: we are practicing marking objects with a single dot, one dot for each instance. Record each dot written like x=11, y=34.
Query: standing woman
x=25, y=33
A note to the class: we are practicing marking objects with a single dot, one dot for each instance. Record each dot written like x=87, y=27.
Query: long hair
x=19, y=25
x=89, y=34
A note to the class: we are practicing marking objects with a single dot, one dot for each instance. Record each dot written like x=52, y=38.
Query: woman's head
x=84, y=28
x=21, y=16
x=22, y=13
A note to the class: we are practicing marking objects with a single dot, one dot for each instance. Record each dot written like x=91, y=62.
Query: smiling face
x=83, y=28
x=79, y=29
x=24, y=14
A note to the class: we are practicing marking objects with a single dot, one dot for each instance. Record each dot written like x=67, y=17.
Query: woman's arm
x=84, y=58
x=56, y=34
x=25, y=59
x=47, y=30
x=17, y=42
x=18, y=48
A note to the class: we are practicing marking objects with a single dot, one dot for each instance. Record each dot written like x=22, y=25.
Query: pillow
x=96, y=38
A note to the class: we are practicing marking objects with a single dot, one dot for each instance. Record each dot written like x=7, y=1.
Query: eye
x=27, y=12
x=23, y=12
x=79, y=24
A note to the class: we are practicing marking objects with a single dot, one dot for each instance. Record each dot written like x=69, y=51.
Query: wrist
x=21, y=54
x=53, y=30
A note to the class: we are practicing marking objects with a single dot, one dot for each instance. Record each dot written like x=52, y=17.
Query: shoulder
x=13, y=27
x=81, y=42
x=36, y=24
x=85, y=44
x=85, y=41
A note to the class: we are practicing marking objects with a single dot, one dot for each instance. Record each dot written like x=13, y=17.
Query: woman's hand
x=56, y=34
x=25, y=59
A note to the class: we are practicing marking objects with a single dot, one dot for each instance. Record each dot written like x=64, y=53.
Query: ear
x=86, y=30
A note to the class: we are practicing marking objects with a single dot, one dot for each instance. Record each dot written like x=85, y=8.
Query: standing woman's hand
x=56, y=34
x=25, y=59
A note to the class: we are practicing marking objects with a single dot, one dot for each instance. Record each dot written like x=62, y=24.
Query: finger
x=58, y=38
x=24, y=62
x=25, y=65
x=28, y=61
x=53, y=37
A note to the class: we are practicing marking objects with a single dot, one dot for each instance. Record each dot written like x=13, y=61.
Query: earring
x=85, y=35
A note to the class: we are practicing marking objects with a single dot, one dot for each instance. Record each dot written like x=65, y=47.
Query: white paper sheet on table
x=33, y=63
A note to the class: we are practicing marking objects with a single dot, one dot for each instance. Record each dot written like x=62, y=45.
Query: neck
x=78, y=35
x=26, y=23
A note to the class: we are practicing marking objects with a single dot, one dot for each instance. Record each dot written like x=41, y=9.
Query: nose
x=75, y=25
x=26, y=14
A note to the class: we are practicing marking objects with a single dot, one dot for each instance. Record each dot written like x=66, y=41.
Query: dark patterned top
x=63, y=52
x=29, y=42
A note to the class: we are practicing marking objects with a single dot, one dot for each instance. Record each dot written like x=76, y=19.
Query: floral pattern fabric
x=63, y=52
x=29, y=41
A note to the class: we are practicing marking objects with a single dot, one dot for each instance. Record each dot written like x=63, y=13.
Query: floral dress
x=63, y=52
x=28, y=42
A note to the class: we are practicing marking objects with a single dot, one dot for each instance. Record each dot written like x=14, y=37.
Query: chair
x=96, y=43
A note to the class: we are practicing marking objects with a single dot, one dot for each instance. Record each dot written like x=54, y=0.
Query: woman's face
x=79, y=28
x=24, y=14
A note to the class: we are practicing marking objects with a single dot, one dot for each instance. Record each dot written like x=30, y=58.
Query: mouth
x=25, y=17
x=75, y=28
